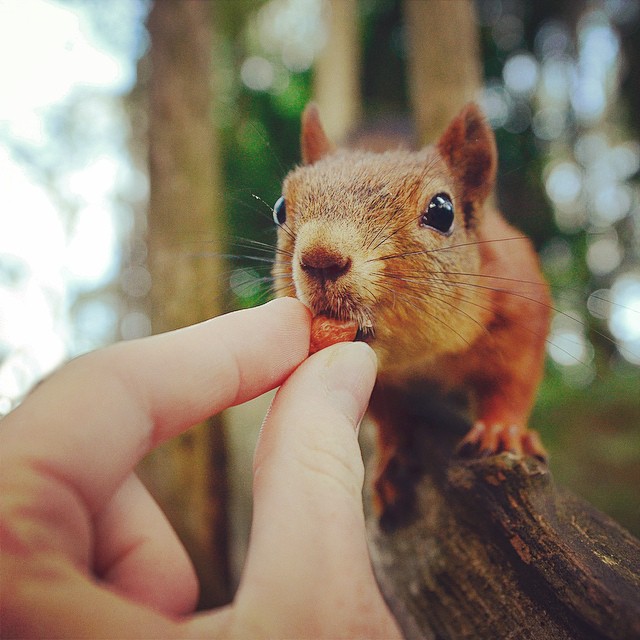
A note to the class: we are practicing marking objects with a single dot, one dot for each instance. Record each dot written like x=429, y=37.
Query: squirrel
x=408, y=245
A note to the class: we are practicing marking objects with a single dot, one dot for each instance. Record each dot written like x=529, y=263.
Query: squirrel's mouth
x=343, y=307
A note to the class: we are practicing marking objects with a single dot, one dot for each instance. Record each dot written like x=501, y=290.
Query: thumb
x=308, y=566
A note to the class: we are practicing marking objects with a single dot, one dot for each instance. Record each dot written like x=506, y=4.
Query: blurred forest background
x=143, y=144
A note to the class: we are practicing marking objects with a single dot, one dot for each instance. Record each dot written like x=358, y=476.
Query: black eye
x=280, y=211
x=439, y=214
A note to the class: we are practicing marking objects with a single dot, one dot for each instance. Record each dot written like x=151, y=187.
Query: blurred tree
x=440, y=34
x=187, y=475
x=337, y=71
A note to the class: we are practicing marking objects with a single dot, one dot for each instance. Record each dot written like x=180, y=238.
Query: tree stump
x=495, y=550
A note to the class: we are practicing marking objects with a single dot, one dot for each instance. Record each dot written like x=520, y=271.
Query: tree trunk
x=444, y=71
x=337, y=71
x=496, y=551
x=187, y=475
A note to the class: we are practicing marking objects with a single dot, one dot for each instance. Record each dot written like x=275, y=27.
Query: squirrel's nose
x=324, y=264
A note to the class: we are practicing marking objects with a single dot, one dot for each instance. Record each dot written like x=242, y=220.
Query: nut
x=326, y=331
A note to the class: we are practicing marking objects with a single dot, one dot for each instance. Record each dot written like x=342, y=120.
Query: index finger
x=91, y=422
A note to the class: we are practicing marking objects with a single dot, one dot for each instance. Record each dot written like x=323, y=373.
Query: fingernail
x=350, y=375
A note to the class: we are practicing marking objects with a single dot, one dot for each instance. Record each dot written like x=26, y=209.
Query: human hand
x=85, y=552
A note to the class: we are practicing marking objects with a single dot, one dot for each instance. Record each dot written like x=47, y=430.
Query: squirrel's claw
x=485, y=440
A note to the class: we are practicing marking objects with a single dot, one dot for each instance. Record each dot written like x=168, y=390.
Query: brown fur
x=469, y=310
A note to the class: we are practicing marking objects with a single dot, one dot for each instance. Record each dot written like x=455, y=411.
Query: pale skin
x=85, y=552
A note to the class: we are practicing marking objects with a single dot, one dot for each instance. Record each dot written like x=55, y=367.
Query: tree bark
x=443, y=69
x=187, y=475
x=495, y=550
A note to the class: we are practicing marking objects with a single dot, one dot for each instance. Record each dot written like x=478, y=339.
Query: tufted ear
x=314, y=142
x=468, y=146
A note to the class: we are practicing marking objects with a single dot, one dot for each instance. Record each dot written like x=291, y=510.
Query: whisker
x=454, y=246
x=389, y=236
x=552, y=307
x=284, y=225
x=434, y=316
x=274, y=153
x=543, y=285
x=235, y=256
x=547, y=339
x=450, y=304
x=262, y=200
x=263, y=247
x=282, y=289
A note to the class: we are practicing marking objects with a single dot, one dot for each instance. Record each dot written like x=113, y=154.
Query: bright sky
x=47, y=44
x=50, y=52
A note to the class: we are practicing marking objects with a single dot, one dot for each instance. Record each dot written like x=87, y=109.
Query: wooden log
x=495, y=550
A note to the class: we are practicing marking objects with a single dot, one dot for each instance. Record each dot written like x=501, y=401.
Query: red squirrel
x=408, y=245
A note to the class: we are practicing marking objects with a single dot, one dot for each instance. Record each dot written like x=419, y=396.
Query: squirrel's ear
x=314, y=142
x=468, y=146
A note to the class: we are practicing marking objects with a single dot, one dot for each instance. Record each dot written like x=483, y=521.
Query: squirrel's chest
x=445, y=370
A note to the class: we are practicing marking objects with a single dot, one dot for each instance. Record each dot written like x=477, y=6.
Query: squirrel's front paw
x=487, y=439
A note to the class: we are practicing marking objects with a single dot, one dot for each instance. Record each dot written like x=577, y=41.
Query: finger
x=138, y=552
x=90, y=423
x=308, y=562
x=49, y=598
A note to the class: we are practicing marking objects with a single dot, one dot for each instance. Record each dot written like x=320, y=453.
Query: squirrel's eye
x=280, y=211
x=439, y=214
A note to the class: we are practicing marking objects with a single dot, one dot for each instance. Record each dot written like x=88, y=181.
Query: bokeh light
x=624, y=320
x=566, y=90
